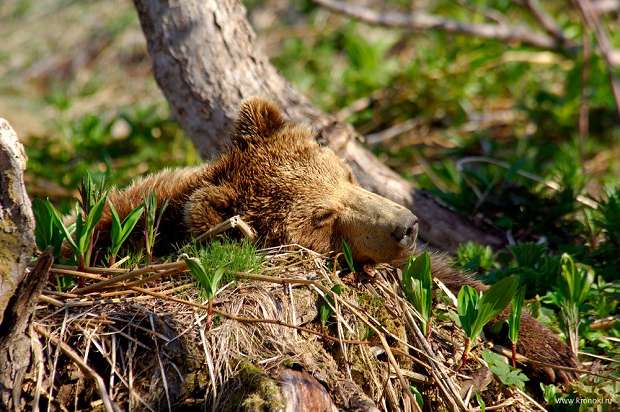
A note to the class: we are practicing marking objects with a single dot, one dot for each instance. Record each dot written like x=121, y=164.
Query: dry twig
x=420, y=21
x=107, y=403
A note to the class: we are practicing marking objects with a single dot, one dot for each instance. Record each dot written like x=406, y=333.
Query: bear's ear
x=258, y=119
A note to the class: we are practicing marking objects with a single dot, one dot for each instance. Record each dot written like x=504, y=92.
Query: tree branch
x=420, y=21
x=610, y=56
x=547, y=22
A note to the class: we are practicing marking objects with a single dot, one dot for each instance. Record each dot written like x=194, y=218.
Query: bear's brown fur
x=284, y=185
x=293, y=191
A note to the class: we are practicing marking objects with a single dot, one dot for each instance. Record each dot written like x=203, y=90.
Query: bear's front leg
x=208, y=206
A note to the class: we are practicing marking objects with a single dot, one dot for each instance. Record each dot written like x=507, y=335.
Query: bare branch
x=610, y=56
x=606, y=6
x=547, y=22
x=420, y=21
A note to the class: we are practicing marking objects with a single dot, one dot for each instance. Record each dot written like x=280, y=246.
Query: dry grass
x=151, y=346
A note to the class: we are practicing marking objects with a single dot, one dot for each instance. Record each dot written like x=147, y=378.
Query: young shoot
x=325, y=310
x=418, y=288
x=348, y=255
x=92, y=205
x=46, y=232
x=120, y=231
x=152, y=221
x=209, y=281
x=217, y=261
x=514, y=322
x=90, y=192
x=476, y=309
x=574, y=287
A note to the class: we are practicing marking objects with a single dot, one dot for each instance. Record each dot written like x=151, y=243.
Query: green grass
x=227, y=256
x=117, y=146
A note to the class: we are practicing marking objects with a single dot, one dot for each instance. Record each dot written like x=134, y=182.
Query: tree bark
x=16, y=221
x=19, y=287
x=206, y=61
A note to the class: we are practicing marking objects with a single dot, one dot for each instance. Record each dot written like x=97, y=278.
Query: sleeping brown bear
x=291, y=190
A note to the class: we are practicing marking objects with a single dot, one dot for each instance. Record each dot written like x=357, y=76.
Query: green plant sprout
x=325, y=310
x=93, y=198
x=472, y=256
x=418, y=395
x=46, y=232
x=212, y=263
x=209, y=282
x=418, y=288
x=514, y=323
x=348, y=255
x=480, y=401
x=476, y=309
x=574, y=287
x=120, y=231
x=152, y=222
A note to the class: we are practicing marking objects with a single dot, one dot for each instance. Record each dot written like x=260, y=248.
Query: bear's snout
x=377, y=229
x=406, y=230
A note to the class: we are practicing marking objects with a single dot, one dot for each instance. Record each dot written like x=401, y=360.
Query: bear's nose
x=406, y=230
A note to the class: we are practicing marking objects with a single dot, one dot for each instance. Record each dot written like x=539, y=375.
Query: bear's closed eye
x=324, y=217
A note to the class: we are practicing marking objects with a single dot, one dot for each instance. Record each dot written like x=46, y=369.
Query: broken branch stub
x=16, y=220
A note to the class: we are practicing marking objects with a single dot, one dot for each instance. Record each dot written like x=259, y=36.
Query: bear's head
x=294, y=191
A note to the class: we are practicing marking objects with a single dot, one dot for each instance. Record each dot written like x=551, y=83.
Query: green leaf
x=121, y=231
x=57, y=219
x=418, y=286
x=550, y=393
x=89, y=191
x=418, y=395
x=324, y=313
x=467, y=303
x=348, y=255
x=130, y=221
x=115, y=231
x=85, y=230
x=508, y=375
x=325, y=310
x=473, y=257
x=214, y=282
x=480, y=402
x=209, y=282
x=46, y=231
x=44, y=224
x=197, y=270
x=493, y=301
x=514, y=320
x=475, y=311
x=577, y=280
x=150, y=209
x=95, y=215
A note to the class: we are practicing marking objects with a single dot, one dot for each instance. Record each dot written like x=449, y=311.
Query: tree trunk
x=206, y=61
x=19, y=287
